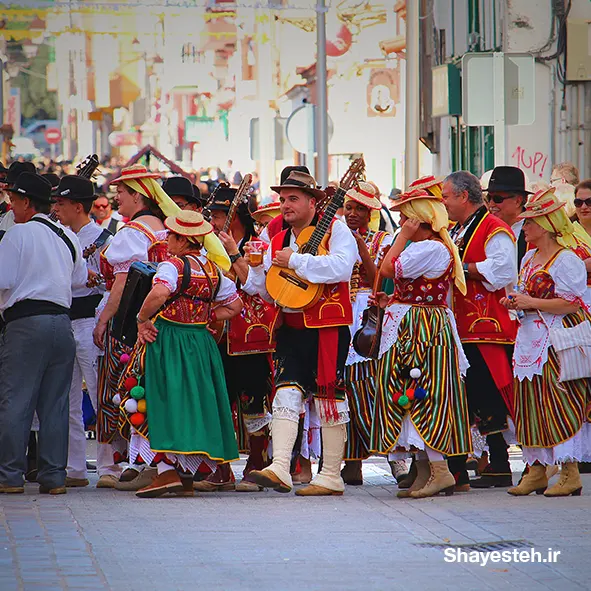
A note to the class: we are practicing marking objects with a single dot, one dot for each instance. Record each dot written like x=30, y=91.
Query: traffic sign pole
x=499, y=108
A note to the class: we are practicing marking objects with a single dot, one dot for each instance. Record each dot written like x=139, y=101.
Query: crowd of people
x=246, y=337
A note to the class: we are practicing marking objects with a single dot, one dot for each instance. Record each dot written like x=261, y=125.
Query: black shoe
x=491, y=479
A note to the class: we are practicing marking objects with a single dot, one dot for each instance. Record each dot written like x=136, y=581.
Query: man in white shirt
x=12, y=173
x=311, y=346
x=506, y=197
x=40, y=263
x=74, y=197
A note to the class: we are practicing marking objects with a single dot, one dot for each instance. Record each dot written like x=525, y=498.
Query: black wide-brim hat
x=223, y=199
x=179, y=186
x=33, y=186
x=16, y=169
x=507, y=179
x=75, y=188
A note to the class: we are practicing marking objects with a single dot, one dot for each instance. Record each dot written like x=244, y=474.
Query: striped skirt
x=548, y=412
x=360, y=385
x=109, y=371
x=425, y=341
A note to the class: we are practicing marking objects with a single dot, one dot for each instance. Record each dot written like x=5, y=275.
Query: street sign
x=301, y=125
x=446, y=94
x=498, y=89
x=53, y=135
x=493, y=80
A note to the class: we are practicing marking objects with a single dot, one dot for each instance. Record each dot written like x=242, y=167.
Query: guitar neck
x=230, y=216
x=324, y=224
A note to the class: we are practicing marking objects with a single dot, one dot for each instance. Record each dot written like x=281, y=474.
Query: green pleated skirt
x=188, y=410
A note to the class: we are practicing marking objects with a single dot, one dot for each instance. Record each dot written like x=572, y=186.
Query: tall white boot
x=328, y=481
x=277, y=475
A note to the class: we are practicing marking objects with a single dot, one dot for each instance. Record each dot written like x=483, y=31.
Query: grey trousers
x=36, y=362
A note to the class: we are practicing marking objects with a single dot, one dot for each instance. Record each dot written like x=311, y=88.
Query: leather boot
x=534, y=480
x=304, y=476
x=569, y=482
x=221, y=480
x=399, y=470
x=277, y=476
x=257, y=460
x=423, y=473
x=441, y=480
x=352, y=473
x=328, y=481
x=167, y=482
x=410, y=478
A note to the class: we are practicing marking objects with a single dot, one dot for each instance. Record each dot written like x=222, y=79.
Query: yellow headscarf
x=149, y=188
x=433, y=212
x=558, y=223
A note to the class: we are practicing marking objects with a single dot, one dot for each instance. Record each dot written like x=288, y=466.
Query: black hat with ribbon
x=222, y=199
x=507, y=179
x=33, y=186
x=303, y=181
x=75, y=188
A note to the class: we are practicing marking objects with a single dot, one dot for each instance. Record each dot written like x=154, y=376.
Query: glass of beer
x=257, y=249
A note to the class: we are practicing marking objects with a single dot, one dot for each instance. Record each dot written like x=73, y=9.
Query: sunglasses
x=581, y=202
x=499, y=198
x=101, y=206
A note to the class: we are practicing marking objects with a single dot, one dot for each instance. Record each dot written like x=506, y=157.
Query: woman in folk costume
x=420, y=403
x=175, y=379
x=582, y=203
x=143, y=238
x=362, y=215
x=550, y=415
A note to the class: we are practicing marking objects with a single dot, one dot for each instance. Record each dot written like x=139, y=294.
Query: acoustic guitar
x=284, y=285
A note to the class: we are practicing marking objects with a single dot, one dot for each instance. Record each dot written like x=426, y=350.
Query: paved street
x=367, y=539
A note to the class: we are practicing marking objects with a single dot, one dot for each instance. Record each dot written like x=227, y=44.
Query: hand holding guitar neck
x=284, y=285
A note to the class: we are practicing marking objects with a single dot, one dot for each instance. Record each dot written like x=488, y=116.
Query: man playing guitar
x=312, y=343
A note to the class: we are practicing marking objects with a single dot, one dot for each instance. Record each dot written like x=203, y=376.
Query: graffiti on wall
x=532, y=163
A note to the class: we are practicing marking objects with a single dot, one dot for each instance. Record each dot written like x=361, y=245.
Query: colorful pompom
x=131, y=406
x=415, y=373
x=141, y=405
x=137, y=419
x=137, y=392
x=403, y=400
x=397, y=396
x=129, y=383
x=410, y=394
x=117, y=399
x=420, y=394
x=124, y=358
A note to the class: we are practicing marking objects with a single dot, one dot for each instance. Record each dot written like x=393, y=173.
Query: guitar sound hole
x=294, y=280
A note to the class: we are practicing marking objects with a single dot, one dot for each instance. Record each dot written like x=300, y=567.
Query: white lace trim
x=284, y=412
x=254, y=424
x=392, y=319
x=575, y=449
x=188, y=462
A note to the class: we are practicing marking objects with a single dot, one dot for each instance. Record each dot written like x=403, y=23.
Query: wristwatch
x=465, y=267
x=140, y=321
x=235, y=257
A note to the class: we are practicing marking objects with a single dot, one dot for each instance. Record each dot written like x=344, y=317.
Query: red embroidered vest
x=157, y=252
x=252, y=331
x=480, y=317
x=583, y=252
x=193, y=306
x=334, y=306
x=423, y=291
